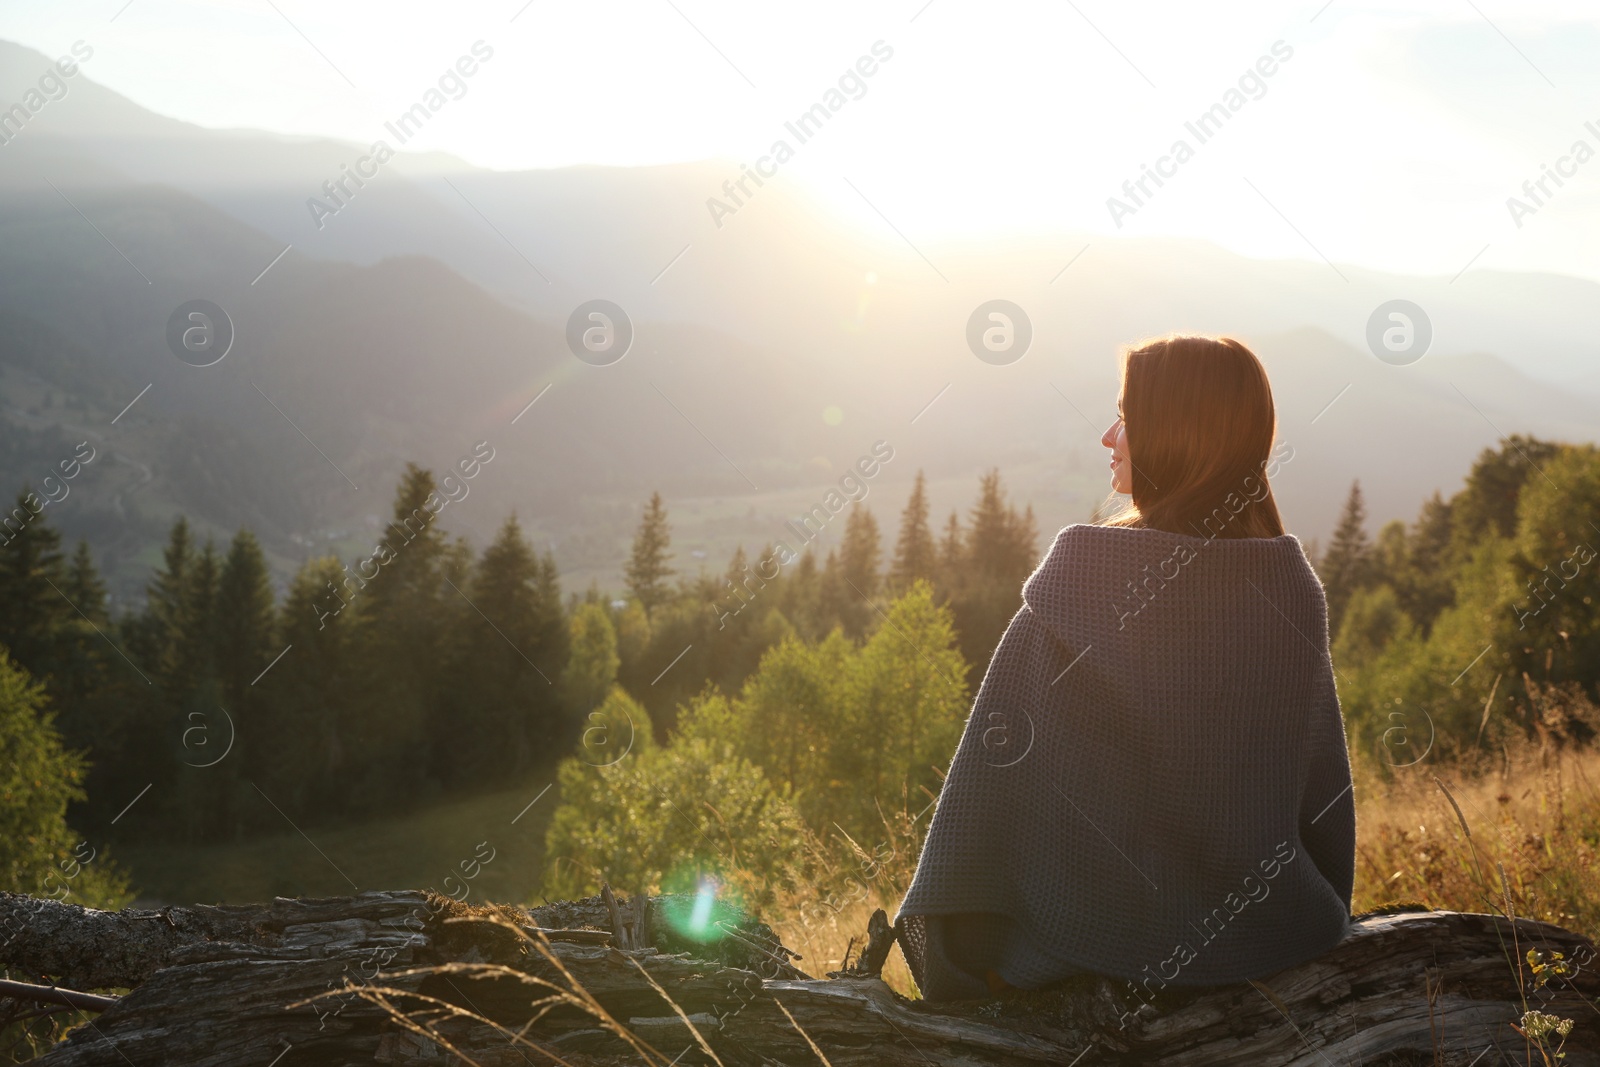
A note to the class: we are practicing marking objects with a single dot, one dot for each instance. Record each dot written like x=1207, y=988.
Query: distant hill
x=771, y=354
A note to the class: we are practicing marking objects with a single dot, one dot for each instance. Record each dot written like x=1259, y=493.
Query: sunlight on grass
x=824, y=942
x=1535, y=812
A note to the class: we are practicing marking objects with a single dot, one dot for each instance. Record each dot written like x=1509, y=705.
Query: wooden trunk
x=240, y=985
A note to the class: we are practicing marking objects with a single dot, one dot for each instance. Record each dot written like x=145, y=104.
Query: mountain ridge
x=767, y=355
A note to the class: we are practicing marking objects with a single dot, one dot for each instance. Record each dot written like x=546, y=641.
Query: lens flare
x=705, y=914
x=700, y=917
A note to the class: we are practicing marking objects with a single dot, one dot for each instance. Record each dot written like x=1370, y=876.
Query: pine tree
x=31, y=574
x=92, y=688
x=1430, y=587
x=835, y=600
x=1346, y=565
x=308, y=720
x=554, y=637
x=741, y=593
x=854, y=579
x=647, y=570
x=244, y=618
x=233, y=619
x=738, y=585
x=766, y=589
x=199, y=808
x=162, y=640
x=166, y=589
x=802, y=597
x=406, y=589
x=915, y=554
x=84, y=587
x=502, y=707
x=1001, y=544
x=162, y=623
x=1390, y=557
x=952, y=546
x=860, y=554
x=197, y=652
x=401, y=619
x=985, y=586
x=1430, y=534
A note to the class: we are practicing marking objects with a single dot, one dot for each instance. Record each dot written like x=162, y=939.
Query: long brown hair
x=1200, y=422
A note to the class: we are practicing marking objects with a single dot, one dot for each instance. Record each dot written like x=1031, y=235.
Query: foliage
x=859, y=565
x=617, y=727
x=39, y=853
x=647, y=570
x=851, y=730
x=1346, y=565
x=377, y=684
x=789, y=717
x=915, y=554
x=502, y=712
x=1373, y=620
x=666, y=819
x=1446, y=639
x=373, y=685
x=1488, y=503
x=821, y=740
x=982, y=568
x=1555, y=565
x=31, y=574
x=592, y=668
x=714, y=629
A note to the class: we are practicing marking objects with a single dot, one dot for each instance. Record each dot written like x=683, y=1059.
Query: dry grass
x=825, y=942
x=847, y=880
x=1532, y=811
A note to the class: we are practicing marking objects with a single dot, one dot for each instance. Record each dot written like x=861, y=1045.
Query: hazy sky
x=1391, y=136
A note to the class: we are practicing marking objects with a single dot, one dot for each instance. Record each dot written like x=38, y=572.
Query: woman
x=1153, y=784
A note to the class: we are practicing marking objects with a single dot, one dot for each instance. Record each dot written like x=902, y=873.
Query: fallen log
x=405, y=977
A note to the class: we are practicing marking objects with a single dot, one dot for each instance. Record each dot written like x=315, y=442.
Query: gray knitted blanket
x=1153, y=784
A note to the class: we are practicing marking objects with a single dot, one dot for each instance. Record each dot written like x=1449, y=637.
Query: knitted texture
x=1153, y=783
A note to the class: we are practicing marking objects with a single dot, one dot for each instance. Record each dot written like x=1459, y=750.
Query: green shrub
x=39, y=777
x=667, y=819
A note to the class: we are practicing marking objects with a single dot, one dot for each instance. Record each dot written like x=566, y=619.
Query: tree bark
x=241, y=985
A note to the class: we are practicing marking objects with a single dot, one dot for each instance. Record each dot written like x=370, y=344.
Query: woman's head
x=1193, y=437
